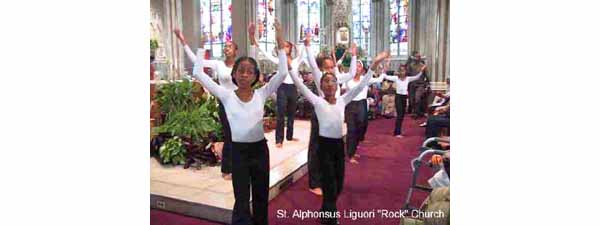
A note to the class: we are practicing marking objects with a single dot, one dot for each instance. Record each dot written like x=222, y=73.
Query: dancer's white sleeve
x=190, y=54
x=205, y=80
x=348, y=96
x=415, y=77
x=276, y=80
x=268, y=56
x=377, y=80
x=311, y=97
x=391, y=78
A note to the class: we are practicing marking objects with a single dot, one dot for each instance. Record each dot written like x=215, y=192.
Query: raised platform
x=205, y=194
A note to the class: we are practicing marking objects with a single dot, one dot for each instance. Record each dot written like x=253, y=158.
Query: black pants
x=366, y=123
x=314, y=173
x=400, y=102
x=250, y=167
x=226, y=158
x=421, y=101
x=331, y=160
x=356, y=121
x=287, y=97
x=435, y=124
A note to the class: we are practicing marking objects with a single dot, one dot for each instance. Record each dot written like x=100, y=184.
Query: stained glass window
x=264, y=25
x=361, y=23
x=399, y=27
x=216, y=24
x=309, y=19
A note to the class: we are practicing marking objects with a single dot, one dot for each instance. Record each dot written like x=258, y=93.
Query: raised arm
x=378, y=79
x=254, y=45
x=348, y=96
x=309, y=95
x=213, y=64
x=205, y=80
x=316, y=72
x=390, y=78
x=345, y=77
x=276, y=80
x=282, y=70
x=300, y=56
x=415, y=77
x=188, y=51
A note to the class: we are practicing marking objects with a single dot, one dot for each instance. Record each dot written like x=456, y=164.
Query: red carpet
x=380, y=181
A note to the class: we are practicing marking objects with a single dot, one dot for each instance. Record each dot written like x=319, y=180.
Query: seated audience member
x=388, y=92
x=439, y=101
x=440, y=119
x=374, y=101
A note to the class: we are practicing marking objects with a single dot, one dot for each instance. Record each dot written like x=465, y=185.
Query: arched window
x=264, y=24
x=216, y=24
x=399, y=27
x=309, y=19
x=361, y=23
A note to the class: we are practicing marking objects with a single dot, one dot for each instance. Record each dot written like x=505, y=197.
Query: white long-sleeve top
x=363, y=93
x=295, y=64
x=223, y=72
x=331, y=116
x=342, y=77
x=245, y=118
x=402, y=85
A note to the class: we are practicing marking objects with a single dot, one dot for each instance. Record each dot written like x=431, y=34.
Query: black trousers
x=250, y=168
x=400, y=102
x=356, y=120
x=287, y=97
x=366, y=123
x=421, y=101
x=331, y=160
x=435, y=124
x=314, y=173
x=226, y=158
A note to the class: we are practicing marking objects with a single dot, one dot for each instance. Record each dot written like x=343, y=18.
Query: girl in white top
x=287, y=95
x=245, y=109
x=401, y=94
x=357, y=113
x=326, y=64
x=330, y=114
x=221, y=69
x=329, y=65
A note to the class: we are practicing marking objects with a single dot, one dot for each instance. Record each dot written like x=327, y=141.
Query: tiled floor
x=206, y=187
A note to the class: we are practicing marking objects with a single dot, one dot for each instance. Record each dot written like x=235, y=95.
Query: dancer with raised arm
x=329, y=110
x=356, y=111
x=245, y=109
x=322, y=64
x=222, y=71
x=287, y=95
x=401, y=94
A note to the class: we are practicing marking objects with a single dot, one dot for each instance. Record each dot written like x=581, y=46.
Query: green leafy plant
x=177, y=96
x=172, y=151
x=269, y=108
x=153, y=44
x=198, y=124
x=191, y=116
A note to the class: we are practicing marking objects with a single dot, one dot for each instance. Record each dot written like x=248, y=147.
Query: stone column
x=431, y=38
x=326, y=35
x=191, y=28
x=243, y=12
x=169, y=58
x=287, y=13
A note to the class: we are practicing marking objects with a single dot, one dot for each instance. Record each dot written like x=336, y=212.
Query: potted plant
x=269, y=120
x=153, y=47
x=191, y=117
